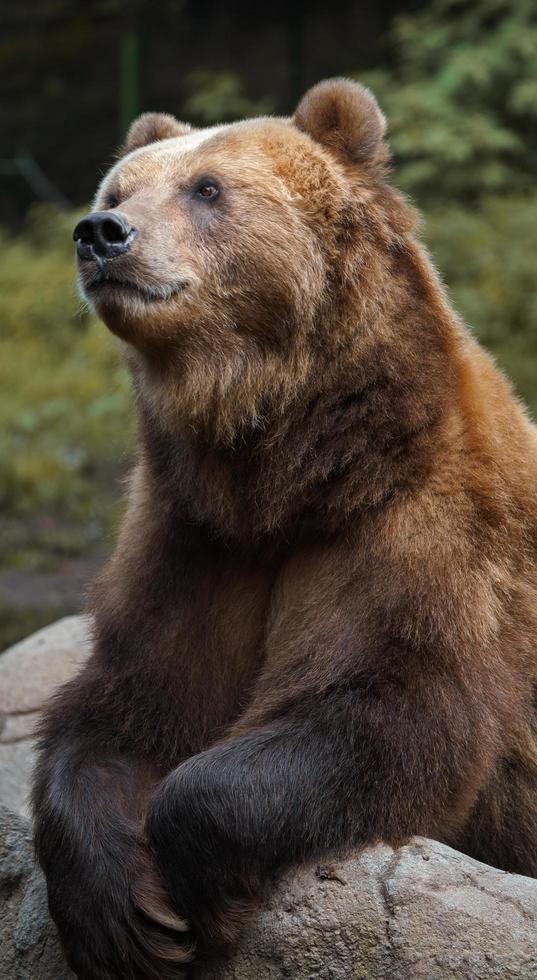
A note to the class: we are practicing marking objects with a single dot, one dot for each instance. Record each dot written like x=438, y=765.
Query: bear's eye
x=208, y=190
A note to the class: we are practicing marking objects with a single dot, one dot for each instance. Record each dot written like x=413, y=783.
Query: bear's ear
x=150, y=128
x=345, y=118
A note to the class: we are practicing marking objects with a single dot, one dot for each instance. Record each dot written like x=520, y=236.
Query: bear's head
x=224, y=257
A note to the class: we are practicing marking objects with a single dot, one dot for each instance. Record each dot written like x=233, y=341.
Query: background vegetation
x=458, y=82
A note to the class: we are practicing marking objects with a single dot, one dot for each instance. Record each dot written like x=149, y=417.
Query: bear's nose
x=101, y=235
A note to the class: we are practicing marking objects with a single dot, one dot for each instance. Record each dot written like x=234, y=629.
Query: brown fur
x=318, y=628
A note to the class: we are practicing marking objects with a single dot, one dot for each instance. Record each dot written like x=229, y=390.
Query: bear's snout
x=103, y=235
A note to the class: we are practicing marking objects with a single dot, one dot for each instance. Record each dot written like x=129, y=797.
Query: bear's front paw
x=199, y=857
x=121, y=926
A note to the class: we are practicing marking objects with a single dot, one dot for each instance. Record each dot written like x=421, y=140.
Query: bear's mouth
x=111, y=286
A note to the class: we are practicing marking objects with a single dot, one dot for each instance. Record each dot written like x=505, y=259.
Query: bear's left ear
x=151, y=127
x=345, y=118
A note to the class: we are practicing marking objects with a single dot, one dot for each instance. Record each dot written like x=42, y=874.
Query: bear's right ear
x=151, y=127
x=345, y=118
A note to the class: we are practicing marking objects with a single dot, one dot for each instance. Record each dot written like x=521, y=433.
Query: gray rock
x=33, y=668
x=423, y=911
x=29, y=946
x=29, y=673
x=16, y=764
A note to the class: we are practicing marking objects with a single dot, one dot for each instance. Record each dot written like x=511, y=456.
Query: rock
x=29, y=673
x=31, y=669
x=16, y=765
x=423, y=911
x=29, y=946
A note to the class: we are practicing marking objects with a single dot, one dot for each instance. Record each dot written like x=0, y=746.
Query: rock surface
x=29, y=947
x=29, y=673
x=424, y=911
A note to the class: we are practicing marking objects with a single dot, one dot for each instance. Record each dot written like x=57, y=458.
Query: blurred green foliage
x=461, y=102
x=487, y=257
x=218, y=96
x=461, y=98
x=65, y=418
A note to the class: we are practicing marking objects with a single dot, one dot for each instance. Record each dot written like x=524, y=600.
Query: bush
x=461, y=99
x=461, y=102
x=218, y=96
x=487, y=258
x=65, y=415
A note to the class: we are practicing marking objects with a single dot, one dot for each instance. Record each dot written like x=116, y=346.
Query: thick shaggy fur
x=318, y=628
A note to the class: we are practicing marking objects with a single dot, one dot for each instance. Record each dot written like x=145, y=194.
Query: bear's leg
x=152, y=693
x=105, y=892
x=331, y=773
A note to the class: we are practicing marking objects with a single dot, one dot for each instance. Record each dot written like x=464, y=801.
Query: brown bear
x=318, y=629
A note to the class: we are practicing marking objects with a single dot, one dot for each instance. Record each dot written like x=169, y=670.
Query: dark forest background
x=458, y=82
x=74, y=73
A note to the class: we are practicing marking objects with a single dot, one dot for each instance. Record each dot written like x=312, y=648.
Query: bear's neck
x=359, y=430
